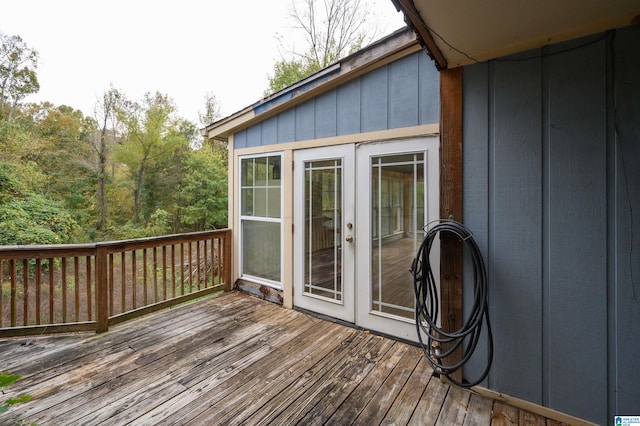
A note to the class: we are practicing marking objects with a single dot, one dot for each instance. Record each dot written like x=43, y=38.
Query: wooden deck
x=235, y=359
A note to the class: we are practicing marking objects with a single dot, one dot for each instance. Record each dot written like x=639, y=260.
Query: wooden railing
x=80, y=287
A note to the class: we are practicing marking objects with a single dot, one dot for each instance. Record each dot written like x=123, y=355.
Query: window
x=261, y=219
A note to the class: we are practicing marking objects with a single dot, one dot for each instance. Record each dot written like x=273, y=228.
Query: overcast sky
x=181, y=48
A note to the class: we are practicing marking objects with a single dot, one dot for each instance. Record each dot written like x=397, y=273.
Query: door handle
x=349, y=238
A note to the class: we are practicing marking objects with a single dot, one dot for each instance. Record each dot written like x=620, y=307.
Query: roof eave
x=413, y=19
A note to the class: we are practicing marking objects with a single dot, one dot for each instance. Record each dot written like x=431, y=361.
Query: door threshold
x=353, y=325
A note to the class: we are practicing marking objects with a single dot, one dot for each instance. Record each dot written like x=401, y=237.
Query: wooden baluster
x=190, y=267
x=182, y=269
x=164, y=272
x=155, y=275
x=144, y=275
x=218, y=254
x=134, y=281
x=14, y=291
x=102, y=290
x=76, y=285
x=111, y=285
x=198, y=262
x=173, y=270
x=64, y=289
x=204, y=262
x=213, y=261
x=25, y=287
x=227, y=261
x=123, y=283
x=89, y=293
x=38, y=272
x=1, y=283
x=51, y=290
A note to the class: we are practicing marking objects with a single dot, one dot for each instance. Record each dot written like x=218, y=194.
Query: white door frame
x=365, y=316
x=345, y=308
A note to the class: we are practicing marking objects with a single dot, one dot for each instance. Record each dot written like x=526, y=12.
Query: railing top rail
x=140, y=243
x=68, y=250
x=46, y=251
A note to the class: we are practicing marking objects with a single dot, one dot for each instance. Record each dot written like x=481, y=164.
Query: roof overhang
x=397, y=45
x=462, y=32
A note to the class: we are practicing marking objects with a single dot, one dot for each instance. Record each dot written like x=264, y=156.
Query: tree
x=211, y=109
x=332, y=29
x=105, y=113
x=203, y=191
x=63, y=154
x=287, y=72
x=149, y=147
x=18, y=78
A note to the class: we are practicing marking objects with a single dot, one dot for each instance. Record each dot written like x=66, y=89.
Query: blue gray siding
x=552, y=194
x=402, y=94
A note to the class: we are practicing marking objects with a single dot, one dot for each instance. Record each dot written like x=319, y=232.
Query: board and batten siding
x=403, y=93
x=551, y=191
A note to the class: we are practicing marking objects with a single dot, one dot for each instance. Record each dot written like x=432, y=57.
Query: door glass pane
x=397, y=220
x=323, y=225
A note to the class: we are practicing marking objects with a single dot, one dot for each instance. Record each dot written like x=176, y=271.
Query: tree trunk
x=102, y=177
x=136, y=195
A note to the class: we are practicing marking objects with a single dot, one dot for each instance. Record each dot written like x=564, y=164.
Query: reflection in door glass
x=397, y=221
x=323, y=224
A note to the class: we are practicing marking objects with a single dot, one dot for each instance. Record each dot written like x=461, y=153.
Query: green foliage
x=203, y=192
x=7, y=379
x=9, y=186
x=159, y=224
x=287, y=72
x=34, y=220
x=27, y=217
x=11, y=135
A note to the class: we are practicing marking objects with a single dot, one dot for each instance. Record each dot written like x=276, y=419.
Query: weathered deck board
x=334, y=372
x=479, y=411
x=234, y=359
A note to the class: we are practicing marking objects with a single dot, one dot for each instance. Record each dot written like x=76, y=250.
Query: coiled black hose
x=427, y=307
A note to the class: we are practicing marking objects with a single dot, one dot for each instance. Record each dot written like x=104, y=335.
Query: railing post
x=227, y=260
x=102, y=291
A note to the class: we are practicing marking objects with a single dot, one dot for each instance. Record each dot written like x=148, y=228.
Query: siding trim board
x=382, y=135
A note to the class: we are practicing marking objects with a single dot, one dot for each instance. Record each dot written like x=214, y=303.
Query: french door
x=324, y=216
x=360, y=213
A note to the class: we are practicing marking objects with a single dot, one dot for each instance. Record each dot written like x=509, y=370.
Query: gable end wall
x=404, y=93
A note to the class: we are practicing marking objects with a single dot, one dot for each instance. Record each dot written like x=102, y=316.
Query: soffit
x=468, y=31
